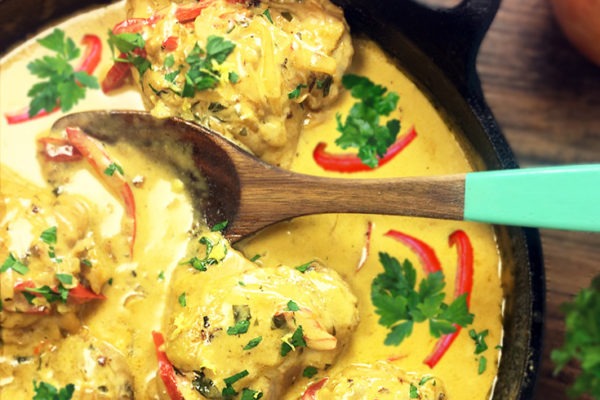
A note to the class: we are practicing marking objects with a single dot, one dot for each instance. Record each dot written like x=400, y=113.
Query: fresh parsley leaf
x=290, y=343
x=582, y=340
x=46, y=391
x=169, y=61
x=11, y=262
x=399, y=305
x=294, y=94
x=182, y=299
x=129, y=46
x=65, y=279
x=219, y=226
x=267, y=15
x=413, y=392
x=304, y=267
x=228, y=390
x=62, y=85
x=479, y=339
x=202, y=264
x=362, y=129
x=202, y=74
x=292, y=306
x=309, y=372
x=249, y=394
x=239, y=328
x=112, y=168
x=253, y=343
x=234, y=77
x=482, y=365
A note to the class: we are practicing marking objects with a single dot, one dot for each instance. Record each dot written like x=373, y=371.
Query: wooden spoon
x=251, y=194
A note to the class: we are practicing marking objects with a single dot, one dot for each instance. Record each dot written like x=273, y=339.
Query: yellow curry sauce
x=142, y=292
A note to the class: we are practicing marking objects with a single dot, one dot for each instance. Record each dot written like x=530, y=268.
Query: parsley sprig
x=62, y=84
x=129, y=45
x=46, y=391
x=582, y=340
x=202, y=73
x=362, y=129
x=400, y=305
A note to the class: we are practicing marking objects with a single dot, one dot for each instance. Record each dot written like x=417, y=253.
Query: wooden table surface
x=546, y=98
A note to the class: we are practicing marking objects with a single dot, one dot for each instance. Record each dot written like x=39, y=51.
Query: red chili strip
x=165, y=368
x=59, y=150
x=91, y=58
x=426, y=254
x=311, y=392
x=366, y=247
x=94, y=152
x=463, y=285
x=351, y=162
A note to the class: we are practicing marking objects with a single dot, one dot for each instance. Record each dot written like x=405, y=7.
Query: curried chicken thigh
x=239, y=327
x=251, y=70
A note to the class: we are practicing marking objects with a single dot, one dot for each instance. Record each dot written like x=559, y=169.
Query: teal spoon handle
x=551, y=197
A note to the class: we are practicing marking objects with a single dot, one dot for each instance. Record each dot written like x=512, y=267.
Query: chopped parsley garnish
x=86, y=262
x=362, y=129
x=292, y=306
x=11, y=262
x=291, y=342
x=112, y=168
x=582, y=340
x=253, y=343
x=425, y=379
x=267, y=15
x=220, y=226
x=482, y=365
x=479, y=339
x=249, y=394
x=294, y=94
x=65, y=279
x=46, y=391
x=202, y=264
x=255, y=257
x=62, y=85
x=413, y=392
x=239, y=328
x=399, y=305
x=161, y=276
x=304, y=267
x=182, y=299
x=228, y=390
x=241, y=316
x=129, y=45
x=202, y=74
x=309, y=372
x=49, y=236
x=169, y=61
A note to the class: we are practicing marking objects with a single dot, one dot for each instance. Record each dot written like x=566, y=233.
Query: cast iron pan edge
x=438, y=47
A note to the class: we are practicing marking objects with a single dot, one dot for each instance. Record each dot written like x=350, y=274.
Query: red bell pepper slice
x=116, y=75
x=165, y=368
x=59, y=150
x=93, y=151
x=351, y=162
x=426, y=254
x=135, y=25
x=463, y=285
x=311, y=392
x=170, y=43
x=91, y=58
x=81, y=294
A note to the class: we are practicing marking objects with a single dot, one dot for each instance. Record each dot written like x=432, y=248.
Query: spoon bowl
x=250, y=194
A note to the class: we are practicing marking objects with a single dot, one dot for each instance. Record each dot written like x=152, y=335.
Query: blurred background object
x=580, y=21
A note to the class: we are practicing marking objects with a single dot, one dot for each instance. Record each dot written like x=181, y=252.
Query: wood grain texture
x=546, y=98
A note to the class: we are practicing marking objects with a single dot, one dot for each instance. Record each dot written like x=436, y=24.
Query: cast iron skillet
x=438, y=48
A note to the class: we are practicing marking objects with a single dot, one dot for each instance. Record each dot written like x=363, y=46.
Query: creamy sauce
x=135, y=301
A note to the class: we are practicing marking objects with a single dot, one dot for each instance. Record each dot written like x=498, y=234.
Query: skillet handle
x=451, y=37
